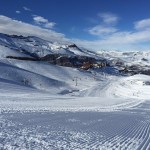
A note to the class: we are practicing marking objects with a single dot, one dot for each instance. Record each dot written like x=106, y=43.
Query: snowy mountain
x=34, y=46
x=129, y=58
x=131, y=62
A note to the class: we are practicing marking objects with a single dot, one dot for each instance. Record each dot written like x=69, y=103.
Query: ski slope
x=44, y=106
x=101, y=112
x=103, y=92
x=126, y=129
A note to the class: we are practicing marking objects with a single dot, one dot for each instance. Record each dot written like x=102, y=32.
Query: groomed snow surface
x=41, y=108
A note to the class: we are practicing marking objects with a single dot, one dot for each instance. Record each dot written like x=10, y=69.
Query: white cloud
x=109, y=18
x=119, y=40
x=18, y=12
x=142, y=24
x=39, y=19
x=101, y=30
x=106, y=27
x=103, y=45
x=130, y=37
x=11, y=26
x=27, y=9
x=44, y=22
x=49, y=25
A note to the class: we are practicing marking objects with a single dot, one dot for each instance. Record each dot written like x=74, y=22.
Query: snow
x=76, y=130
x=42, y=106
x=5, y=51
x=141, y=58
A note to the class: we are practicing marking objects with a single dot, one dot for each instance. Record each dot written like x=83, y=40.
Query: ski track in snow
x=127, y=129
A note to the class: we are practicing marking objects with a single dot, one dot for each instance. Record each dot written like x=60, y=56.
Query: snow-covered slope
x=42, y=81
x=38, y=75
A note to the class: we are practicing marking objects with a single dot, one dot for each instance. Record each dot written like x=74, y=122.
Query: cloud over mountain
x=12, y=26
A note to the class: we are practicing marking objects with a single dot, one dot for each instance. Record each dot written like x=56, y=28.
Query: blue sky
x=94, y=24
